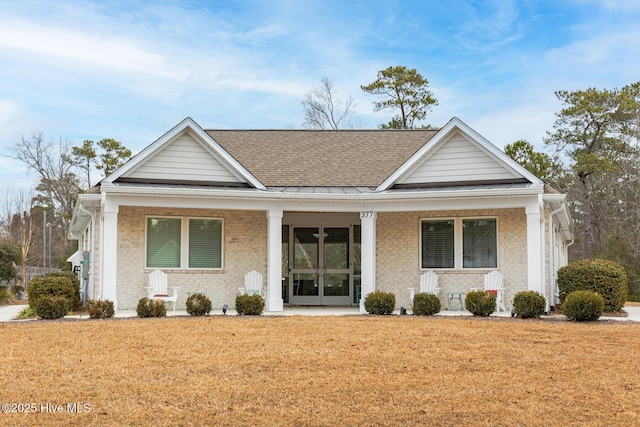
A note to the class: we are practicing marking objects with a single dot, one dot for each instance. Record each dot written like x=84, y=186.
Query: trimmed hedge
x=57, y=285
x=378, y=302
x=198, y=305
x=99, y=309
x=480, y=303
x=51, y=307
x=583, y=306
x=529, y=304
x=151, y=308
x=607, y=278
x=426, y=304
x=250, y=304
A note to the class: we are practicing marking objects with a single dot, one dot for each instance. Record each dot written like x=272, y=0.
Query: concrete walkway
x=10, y=312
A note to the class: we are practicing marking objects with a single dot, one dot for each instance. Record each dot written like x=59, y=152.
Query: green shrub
x=99, y=309
x=480, y=303
x=26, y=313
x=198, y=305
x=426, y=304
x=249, y=304
x=528, y=304
x=378, y=302
x=55, y=284
x=151, y=308
x=5, y=295
x=607, y=278
x=51, y=307
x=583, y=305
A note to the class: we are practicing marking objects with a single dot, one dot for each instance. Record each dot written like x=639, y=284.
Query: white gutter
x=279, y=195
x=80, y=208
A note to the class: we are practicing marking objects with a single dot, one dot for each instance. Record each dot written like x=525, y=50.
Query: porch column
x=535, y=257
x=109, y=233
x=368, y=262
x=274, y=260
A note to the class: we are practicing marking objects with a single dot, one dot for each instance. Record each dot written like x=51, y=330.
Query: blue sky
x=131, y=70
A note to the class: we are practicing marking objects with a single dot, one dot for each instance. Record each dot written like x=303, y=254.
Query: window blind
x=437, y=244
x=163, y=242
x=479, y=243
x=205, y=243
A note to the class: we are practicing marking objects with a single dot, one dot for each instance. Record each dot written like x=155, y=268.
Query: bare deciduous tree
x=322, y=110
x=59, y=187
x=17, y=224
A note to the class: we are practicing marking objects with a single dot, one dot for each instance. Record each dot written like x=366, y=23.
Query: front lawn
x=350, y=370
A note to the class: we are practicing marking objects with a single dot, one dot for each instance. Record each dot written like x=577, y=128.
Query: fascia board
x=277, y=195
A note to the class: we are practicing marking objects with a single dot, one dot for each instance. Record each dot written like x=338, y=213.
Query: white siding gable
x=457, y=159
x=184, y=158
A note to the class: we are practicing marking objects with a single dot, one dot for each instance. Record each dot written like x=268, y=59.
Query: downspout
x=91, y=243
x=542, y=245
x=552, y=283
x=100, y=282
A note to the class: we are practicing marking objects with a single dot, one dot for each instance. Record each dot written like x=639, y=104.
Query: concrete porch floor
x=304, y=311
x=633, y=312
x=8, y=313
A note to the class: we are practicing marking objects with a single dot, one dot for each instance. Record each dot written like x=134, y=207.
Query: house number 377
x=366, y=214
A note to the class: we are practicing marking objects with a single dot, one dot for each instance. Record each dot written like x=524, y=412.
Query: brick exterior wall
x=398, y=254
x=245, y=249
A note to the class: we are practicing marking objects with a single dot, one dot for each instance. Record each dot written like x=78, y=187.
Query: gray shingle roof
x=327, y=158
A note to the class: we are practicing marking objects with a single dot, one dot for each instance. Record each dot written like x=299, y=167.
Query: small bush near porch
x=351, y=370
x=379, y=302
x=607, y=278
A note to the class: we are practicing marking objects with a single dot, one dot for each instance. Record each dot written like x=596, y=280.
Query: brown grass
x=317, y=371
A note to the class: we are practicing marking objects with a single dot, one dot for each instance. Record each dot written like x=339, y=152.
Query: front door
x=320, y=266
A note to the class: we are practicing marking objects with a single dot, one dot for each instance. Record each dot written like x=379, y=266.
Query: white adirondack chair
x=494, y=282
x=157, y=288
x=428, y=284
x=252, y=284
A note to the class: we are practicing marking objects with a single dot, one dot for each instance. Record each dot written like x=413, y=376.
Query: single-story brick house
x=325, y=216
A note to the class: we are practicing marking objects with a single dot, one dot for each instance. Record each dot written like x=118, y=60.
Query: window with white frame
x=458, y=243
x=479, y=244
x=184, y=243
x=437, y=243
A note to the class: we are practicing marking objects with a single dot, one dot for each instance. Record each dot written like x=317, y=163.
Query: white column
x=274, y=261
x=368, y=243
x=109, y=268
x=535, y=258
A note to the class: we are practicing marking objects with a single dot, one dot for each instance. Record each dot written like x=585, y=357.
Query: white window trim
x=184, y=243
x=458, y=262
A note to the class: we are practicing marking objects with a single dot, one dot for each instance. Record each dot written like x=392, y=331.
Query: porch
x=298, y=311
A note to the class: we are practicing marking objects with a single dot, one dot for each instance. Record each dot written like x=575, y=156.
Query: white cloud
x=614, y=5
x=608, y=60
x=95, y=50
x=8, y=110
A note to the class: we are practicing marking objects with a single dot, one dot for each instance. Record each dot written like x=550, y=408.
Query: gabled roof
x=458, y=155
x=368, y=159
x=185, y=154
x=322, y=158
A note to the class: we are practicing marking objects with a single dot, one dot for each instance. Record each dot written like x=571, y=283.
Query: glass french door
x=320, y=266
